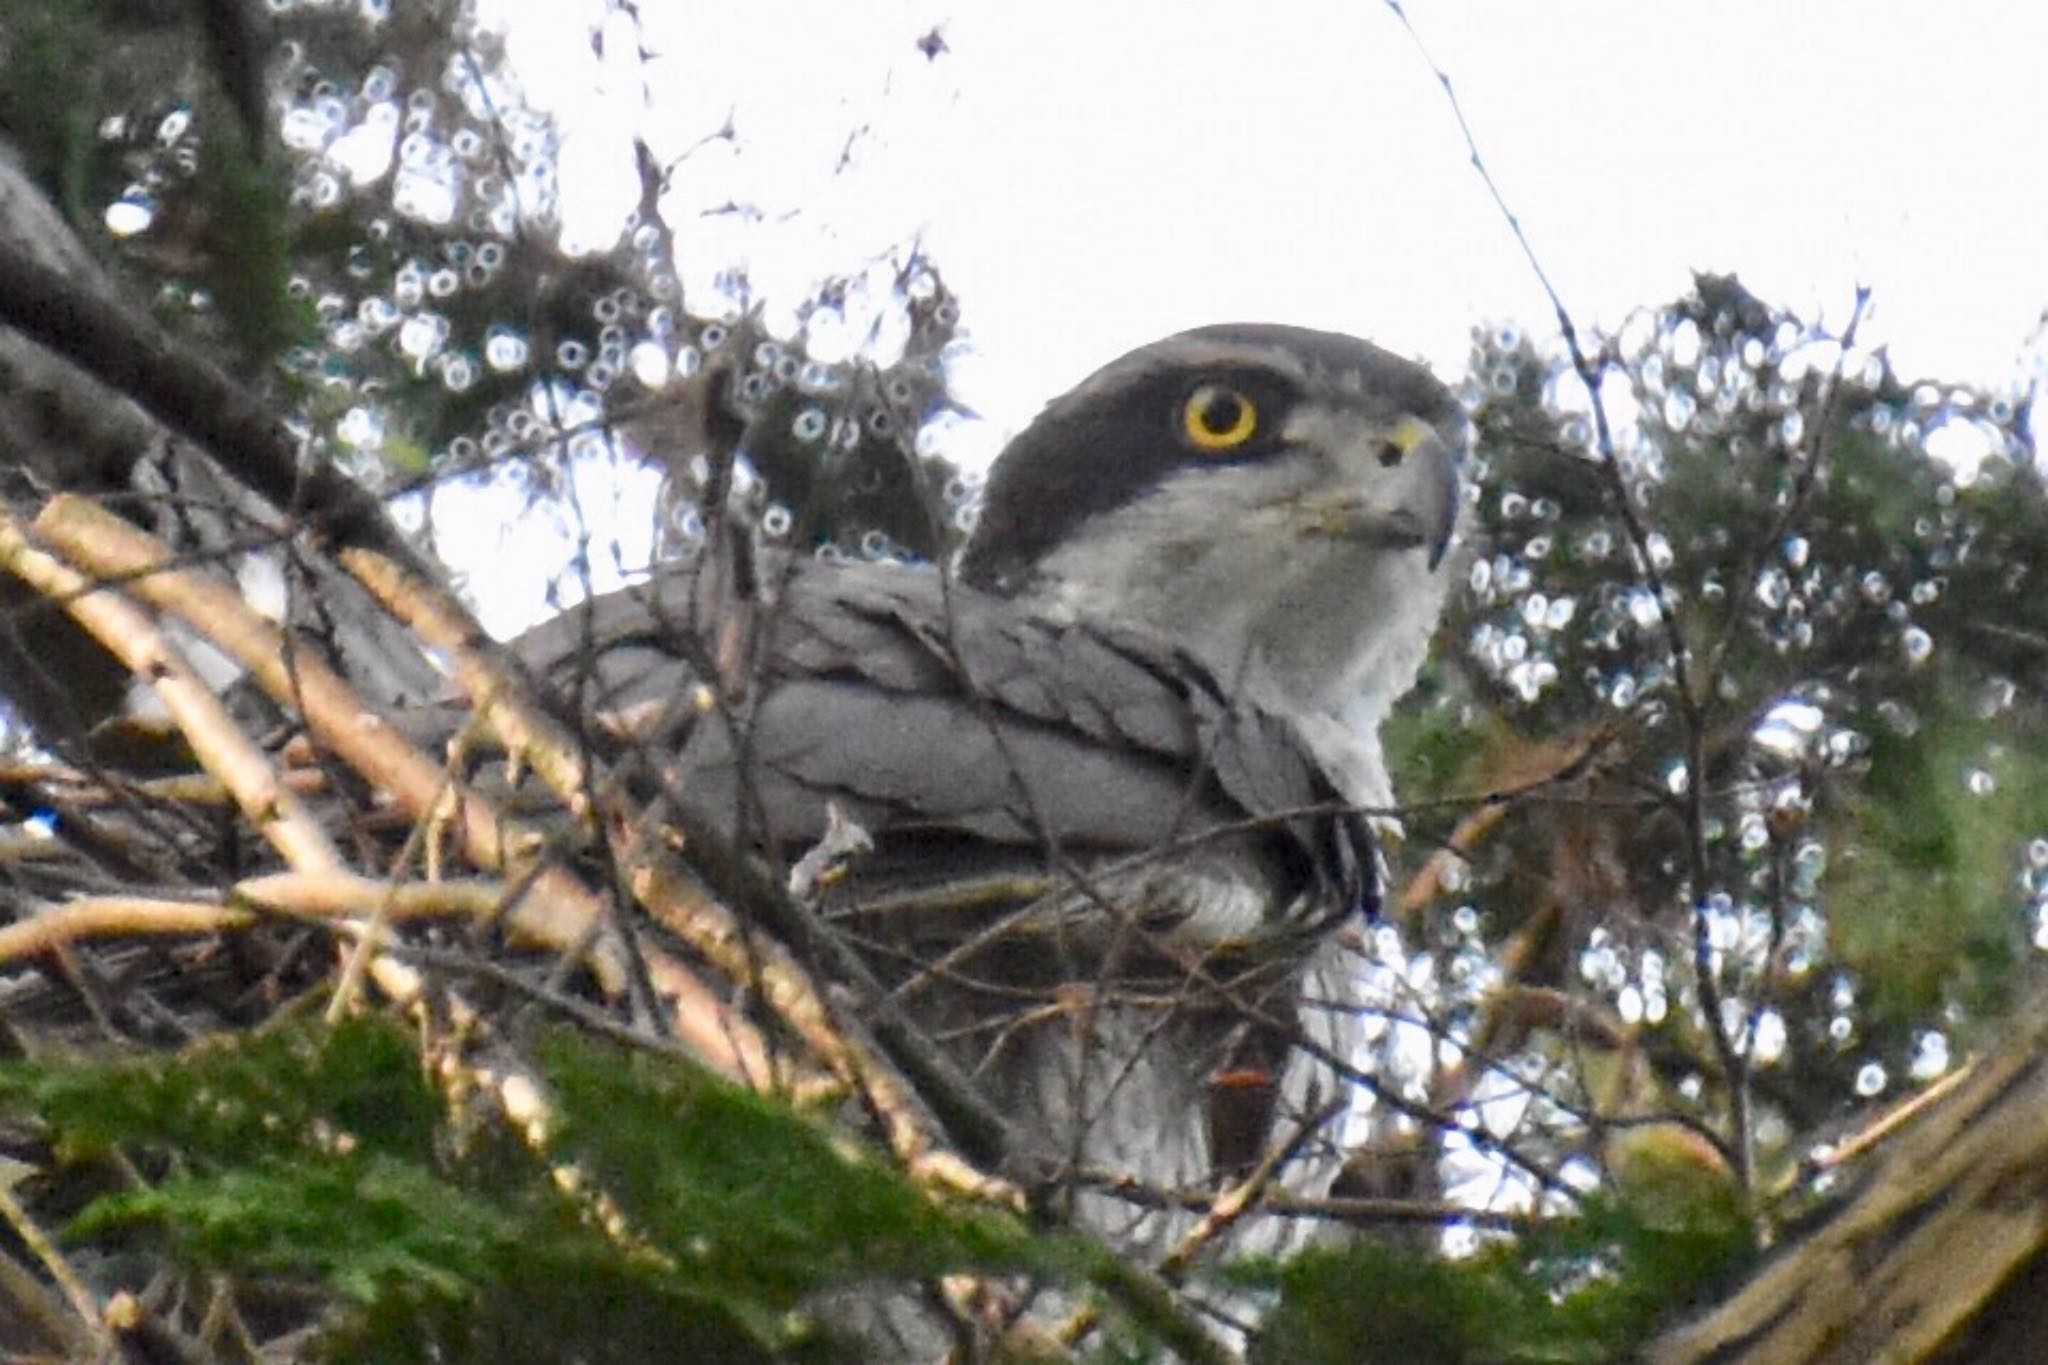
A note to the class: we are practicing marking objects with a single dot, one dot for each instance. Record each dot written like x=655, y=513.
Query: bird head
x=1277, y=500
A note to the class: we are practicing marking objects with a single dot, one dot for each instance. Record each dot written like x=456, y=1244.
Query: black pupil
x=1390, y=455
x=1222, y=413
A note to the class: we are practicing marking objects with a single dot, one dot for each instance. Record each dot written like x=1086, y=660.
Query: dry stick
x=1219, y=1213
x=197, y=789
x=323, y=895
x=556, y=912
x=342, y=721
x=229, y=754
x=1565, y=763
x=134, y=357
x=1355, y=1210
x=234, y=758
x=1445, y=864
x=196, y=399
x=182, y=789
x=135, y=639
x=659, y=880
x=37, y=1307
x=1890, y=1122
x=661, y=884
x=97, y=917
x=320, y=895
x=128, y=632
x=1232, y=1203
x=355, y=966
x=335, y=714
x=556, y=757
x=494, y=691
x=75, y=1292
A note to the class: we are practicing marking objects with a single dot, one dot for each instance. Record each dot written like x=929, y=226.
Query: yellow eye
x=1218, y=418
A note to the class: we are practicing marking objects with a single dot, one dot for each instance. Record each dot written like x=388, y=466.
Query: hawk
x=1105, y=772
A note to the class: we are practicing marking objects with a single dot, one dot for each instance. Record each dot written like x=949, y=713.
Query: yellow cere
x=1412, y=432
x=1217, y=417
x=1407, y=434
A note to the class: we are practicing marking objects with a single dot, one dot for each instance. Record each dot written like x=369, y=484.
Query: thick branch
x=192, y=397
x=1938, y=1254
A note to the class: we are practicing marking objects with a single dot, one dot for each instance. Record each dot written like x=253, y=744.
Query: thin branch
x=1358, y=1211
x=1805, y=480
x=556, y=912
x=60, y=1269
x=132, y=637
x=1890, y=1123
x=1491, y=809
x=31, y=1304
x=1692, y=702
x=678, y=898
x=1232, y=1204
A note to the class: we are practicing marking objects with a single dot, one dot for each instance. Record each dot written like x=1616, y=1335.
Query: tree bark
x=1935, y=1252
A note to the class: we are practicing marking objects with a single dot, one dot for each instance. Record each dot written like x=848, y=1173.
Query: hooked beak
x=1413, y=504
x=1440, y=495
x=1424, y=488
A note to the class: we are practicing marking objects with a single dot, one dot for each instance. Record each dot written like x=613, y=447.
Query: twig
x=53, y=1261
x=319, y=895
x=676, y=897
x=276, y=812
x=1221, y=1212
x=1691, y=702
x=334, y=713
x=556, y=912
x=665, y=887
x=30, y=1303
x=230, y=755
x=1359, y=1210
x=332, y=895
x=1805, y=480
x=1890, y=1122
x=1456, y=851
x=1231, y=1205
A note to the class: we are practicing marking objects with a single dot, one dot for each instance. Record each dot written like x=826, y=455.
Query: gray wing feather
x=919, y=710
x=962, y=734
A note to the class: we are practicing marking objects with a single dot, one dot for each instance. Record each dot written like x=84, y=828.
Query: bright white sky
x=1090, y=176
x=1093, y=175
